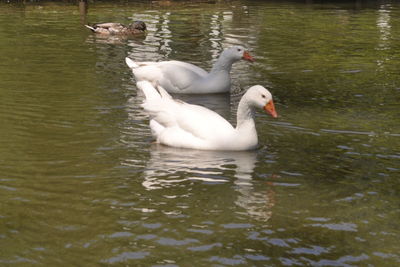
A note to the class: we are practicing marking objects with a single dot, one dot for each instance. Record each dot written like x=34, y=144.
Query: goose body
x=112, y=28
x=179, y=124
x=185, y=78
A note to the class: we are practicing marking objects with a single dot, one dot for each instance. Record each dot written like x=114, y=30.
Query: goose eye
x=239, y=49
x=263, y=96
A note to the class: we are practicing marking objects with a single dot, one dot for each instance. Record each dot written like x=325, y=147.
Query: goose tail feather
x=131, y=64
x=149, y=91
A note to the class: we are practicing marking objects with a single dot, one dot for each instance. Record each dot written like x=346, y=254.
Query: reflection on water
x=383, y=22
x=165, y=34
x=129, y=40
x=384, y=27
x=207, y=166
x=170, y=167
x=83, y=10
x=82, y=184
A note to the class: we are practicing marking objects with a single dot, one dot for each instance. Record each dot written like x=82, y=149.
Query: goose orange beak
x=246, y=56
x=270, y=108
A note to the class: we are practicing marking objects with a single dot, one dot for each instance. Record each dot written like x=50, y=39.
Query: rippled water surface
x=81, y=182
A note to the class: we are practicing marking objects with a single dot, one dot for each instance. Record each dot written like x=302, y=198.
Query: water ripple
x=125, y=256
x=81, y=177
x=174, y=242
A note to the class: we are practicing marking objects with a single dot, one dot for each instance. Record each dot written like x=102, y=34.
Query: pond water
x=81, y=182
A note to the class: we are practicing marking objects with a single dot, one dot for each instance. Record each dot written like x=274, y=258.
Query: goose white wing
x=174, y=76
x=178, y=124
x=193, y=119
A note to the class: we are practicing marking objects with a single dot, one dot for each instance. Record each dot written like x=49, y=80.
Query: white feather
x=181, y=77
x=179, y=124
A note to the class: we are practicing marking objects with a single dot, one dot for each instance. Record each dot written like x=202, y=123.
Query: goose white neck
x=223, y=63
x=246, y=127
x=245, y=114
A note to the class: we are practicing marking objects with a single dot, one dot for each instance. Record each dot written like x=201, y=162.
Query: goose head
x=259, y=97
x=237, y=53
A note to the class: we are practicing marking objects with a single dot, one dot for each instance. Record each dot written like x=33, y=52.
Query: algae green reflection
x=81, y=182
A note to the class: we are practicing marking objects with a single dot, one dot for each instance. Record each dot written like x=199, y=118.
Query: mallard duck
x=112, y=28
x=185, y=78
x=179, y=124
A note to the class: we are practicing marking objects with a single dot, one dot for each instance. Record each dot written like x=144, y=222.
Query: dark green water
x=82, y=184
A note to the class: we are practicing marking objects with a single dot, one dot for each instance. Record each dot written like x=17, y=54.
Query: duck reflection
x=83, y=10
x=129, y=40
x=170, y=166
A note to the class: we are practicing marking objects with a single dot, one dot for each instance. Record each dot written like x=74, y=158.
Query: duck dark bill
x=270, y=108
x=246, y=56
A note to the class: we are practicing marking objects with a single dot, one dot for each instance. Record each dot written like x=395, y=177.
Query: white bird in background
x=181, y=77
x=179, y=124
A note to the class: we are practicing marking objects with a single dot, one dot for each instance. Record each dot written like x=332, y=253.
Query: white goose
x=179, y=124
x=185, y=78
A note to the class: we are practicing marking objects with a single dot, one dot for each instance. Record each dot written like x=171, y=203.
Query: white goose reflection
x=256, y=203
x=170, y=166
x=208, y=166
